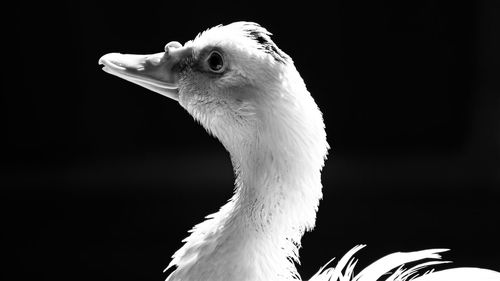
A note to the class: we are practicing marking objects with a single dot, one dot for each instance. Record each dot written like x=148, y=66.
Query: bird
x=246, y=92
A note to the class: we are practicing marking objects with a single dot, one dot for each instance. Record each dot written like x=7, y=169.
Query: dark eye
x=215, y=62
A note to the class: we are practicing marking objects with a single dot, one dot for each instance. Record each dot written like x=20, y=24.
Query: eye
x=215, y=62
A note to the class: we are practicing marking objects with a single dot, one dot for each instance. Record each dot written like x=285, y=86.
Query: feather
x=344, y=271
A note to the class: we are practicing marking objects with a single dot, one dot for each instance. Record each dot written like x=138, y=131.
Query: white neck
x=256, y=235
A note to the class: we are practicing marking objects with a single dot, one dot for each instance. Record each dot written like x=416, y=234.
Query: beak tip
x=102, y=59
x=107, y=58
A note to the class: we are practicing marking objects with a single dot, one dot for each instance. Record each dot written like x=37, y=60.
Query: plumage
x=246, y=92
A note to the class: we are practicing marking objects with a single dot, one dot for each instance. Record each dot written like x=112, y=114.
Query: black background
x=101, y=179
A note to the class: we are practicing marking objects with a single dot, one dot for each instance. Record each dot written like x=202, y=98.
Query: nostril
x=170, y=45
x=154, y=60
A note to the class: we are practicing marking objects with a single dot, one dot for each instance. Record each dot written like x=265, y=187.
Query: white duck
x=247, y=92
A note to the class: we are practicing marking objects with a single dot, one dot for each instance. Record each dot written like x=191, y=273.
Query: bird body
x=246, y=92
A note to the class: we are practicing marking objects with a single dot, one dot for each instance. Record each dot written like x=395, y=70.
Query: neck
x=256, y=235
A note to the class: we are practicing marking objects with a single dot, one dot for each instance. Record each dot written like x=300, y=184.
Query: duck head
x=233, y=79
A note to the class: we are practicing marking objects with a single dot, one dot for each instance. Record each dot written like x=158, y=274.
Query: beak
x=156, y=72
